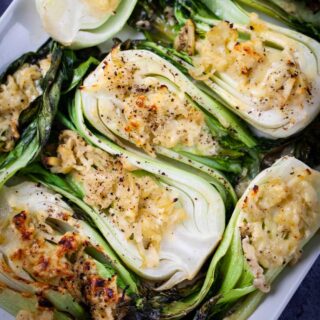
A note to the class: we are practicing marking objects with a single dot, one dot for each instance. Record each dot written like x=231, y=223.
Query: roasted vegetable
x=29, y=96
x=84, y=23
x=276, y=216
x=163, y=222
x=303, y=16
x=119, y=208
x=135, y=97
x=268, y=75
x=57, y=260
x=148, y=218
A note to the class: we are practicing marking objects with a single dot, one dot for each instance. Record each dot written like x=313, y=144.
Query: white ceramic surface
x=21, y=31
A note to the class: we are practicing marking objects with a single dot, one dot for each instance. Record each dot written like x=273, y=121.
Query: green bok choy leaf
x=30, y=92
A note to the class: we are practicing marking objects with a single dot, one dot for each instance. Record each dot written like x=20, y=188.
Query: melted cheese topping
x=276, y=217
x=269, y=78
x=39, y=315
x=138, y=205
x=32, y=252
x=35, y=247
x=102, y=294
x=16, y=95
x=148, y=112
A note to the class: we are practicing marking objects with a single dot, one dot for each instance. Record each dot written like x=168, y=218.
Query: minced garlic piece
x=150, y=113
x=16, y=95
x=186, y=39
x=276, y=217
x=140, y=207
x=269, y=78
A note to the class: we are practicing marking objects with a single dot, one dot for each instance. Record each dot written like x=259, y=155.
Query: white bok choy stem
x=19, y=305
x=184, y=250
x=84, y=23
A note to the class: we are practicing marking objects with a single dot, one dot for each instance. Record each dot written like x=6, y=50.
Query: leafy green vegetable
x=170, y=308
x=230, y=134
x=242, y=287
x=224, y=83
x=80, y=72
x=174, y=178
x=61, y=244
x=165, y=175
x=303, y=16
x=37, y=125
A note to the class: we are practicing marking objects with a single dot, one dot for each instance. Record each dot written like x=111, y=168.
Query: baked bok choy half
x=268, y=75
x=303, y=16
x=143, y=103
x=29, y=96
x=276, y=216
x=84, y=23
x=163, y=223
x=53, y=264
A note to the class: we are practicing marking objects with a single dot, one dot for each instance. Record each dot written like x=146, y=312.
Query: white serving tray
x=21, y=31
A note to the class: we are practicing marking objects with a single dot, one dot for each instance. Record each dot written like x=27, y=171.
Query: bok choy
x=142, y=102
x=268, y=75
x=162, y=222
x=276, y=216
x=303, y=16
x=84, y=23
x=54, y=264
x=29, y=96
